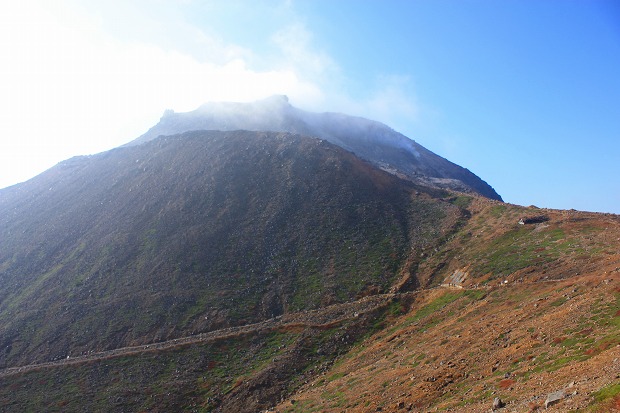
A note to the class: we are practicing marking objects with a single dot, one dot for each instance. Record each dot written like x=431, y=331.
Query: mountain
x=240, y=271
x=368, y=139
x=196, y=232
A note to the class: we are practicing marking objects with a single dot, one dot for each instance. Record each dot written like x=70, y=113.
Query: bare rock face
x=368, y=139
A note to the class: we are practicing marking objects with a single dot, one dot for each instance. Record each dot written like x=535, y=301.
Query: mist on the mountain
x=368, y=139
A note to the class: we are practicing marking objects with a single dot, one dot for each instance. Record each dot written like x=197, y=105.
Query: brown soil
x=479, y=327
x=495, y=347
x=538, y=330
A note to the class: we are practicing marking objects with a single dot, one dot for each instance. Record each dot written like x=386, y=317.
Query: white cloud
x=69, y=88
x=389, y=101
x=83, y=77
x=295, y=43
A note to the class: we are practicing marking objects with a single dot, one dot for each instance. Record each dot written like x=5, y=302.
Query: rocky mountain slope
x=368, y=139
x=200, y=231
x=240, y=271
x=508, y=311
x=528, y=314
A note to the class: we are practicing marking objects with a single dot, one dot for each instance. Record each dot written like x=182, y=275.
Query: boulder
x=498, y=403
x=553, y=398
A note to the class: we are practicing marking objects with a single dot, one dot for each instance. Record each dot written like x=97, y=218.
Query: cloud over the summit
x=82, y=77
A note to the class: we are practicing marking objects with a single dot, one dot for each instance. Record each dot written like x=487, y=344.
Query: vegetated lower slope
x=503, y=310
x=525, y=311
x=368, y=139
x=196, y=232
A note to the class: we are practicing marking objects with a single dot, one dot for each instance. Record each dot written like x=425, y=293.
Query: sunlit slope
x=504, y=243
x=456, y=350
x=520, y=311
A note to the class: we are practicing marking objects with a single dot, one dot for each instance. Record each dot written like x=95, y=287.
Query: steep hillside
x=368, y=139
x=503, y=309
x=201, y=231
x=239, y=271
x=528, y=313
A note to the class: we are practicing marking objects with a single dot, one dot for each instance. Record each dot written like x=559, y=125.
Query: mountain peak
x=368, y=139
x=280, y=99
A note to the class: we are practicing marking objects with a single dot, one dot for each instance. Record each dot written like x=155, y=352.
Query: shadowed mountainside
x=200, y=231
x=368, y=139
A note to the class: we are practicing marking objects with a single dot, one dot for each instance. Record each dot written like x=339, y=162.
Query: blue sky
x=526, y=94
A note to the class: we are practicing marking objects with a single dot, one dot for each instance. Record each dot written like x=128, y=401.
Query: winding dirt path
x=321, y=317
x=312, y=318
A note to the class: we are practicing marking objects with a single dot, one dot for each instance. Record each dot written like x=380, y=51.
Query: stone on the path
x=553, y=398
x=498, y=403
